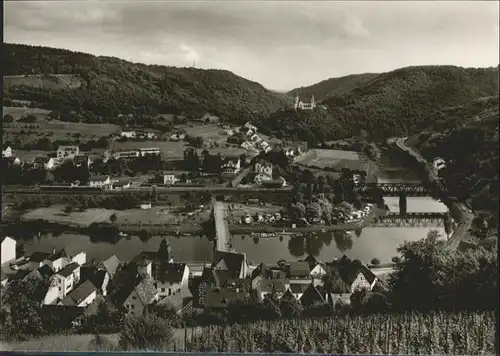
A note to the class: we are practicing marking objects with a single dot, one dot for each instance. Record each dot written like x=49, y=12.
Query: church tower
x=165, y=252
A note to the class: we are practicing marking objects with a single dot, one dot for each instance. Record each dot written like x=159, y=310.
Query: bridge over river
x=409, y=220
x=393, y=189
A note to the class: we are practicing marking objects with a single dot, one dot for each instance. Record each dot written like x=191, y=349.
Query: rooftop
x=79, y=294
x=66, y=271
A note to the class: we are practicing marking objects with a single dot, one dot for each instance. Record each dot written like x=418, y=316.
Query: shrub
x=146, y=332
x=375, y=262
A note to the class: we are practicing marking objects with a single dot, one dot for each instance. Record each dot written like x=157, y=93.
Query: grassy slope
x=466, y=136
x=111, y=86
x=396, y=103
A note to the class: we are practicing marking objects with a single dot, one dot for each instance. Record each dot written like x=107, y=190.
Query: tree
x=375, y=262
x=113, y=218
x=68, y=209
x=147, y=332
x=8, y=118
x=396, y=259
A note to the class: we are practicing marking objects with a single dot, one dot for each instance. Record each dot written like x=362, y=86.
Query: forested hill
x=466, y=136
x=331, y=87
x=397, y=103
x=111, y=86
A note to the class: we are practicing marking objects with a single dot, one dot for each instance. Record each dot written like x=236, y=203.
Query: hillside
x=110, y=86
x=466, y=136
x=332, y=87
x=391, y=104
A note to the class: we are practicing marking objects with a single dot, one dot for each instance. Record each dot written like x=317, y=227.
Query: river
x=372, y=242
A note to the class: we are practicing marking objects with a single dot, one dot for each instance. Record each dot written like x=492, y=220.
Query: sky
x=280, y=44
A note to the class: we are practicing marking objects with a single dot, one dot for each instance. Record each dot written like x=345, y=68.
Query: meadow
x=56, y=214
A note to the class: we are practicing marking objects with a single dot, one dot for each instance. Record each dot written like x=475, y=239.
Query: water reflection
x=312, y=244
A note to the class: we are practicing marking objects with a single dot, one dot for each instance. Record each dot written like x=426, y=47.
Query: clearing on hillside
x=45, y=81
x=334, y=159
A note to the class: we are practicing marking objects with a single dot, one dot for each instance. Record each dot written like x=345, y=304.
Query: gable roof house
x=276, y=287
x=353, y=273
x=136, y=296
x=44, y=162
x=313, y=295
x=170, y=278
x=234, y=263
x=298, y=289
x=316, y=269
x=221, y=298
x=299, y=272
x=82, y=296
x=110, y=265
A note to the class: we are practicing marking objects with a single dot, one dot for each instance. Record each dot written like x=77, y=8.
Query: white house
x=170, y=179
x=264, y=168
x=126, y=154
x=101, y=181
x=82, y=296
x=67, y=152
x=8, y=249
x=128, y=134
x=249, y=126
x=232, y=166
x=14, y=161
x=364, y=280
x=7, y=152
x=47, y=163
x=149, y=151
x=145, y=205
x=57, y=261
x=62, y=283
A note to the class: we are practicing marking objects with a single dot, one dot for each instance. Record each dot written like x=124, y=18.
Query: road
x=159, y=190
x=459, y=211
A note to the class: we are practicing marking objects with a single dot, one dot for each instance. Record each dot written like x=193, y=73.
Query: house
x=47, y=163
x=139, y=295
x=232, y=166
x=149, y=151
x=247, y=145
x=8, y=249
x=276, y=183
x=255, y=139
x=221, y=298
x=170, y=179
x=177, y=136
x=277, y=287
x=170, y=278
x=233, y=264
x=313, y=295
x=298, y=289
x=353, y=273
x=36, y=260
x=62, y=283
x=7, y=152
x=67, y=152
x=101, y=182
x=123, y=183
x=316, y=269
x=263, y=145
x=109, y=265
x=99, y=278
x=128, y=134
x=263, y=167
x=340, y=292
x=180, y=302
x=82, y=160
x=145, y=205
x=208, y=280
x=249, y=126
x=126, y=154
x=163, y=255
x=12, y=161
x=82, y=296
x=56, y=260
x=299, y=271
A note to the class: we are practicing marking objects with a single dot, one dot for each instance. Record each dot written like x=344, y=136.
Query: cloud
x=190, y=55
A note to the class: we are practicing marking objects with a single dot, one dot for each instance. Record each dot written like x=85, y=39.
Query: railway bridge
x=410, y=220
x=393, y=189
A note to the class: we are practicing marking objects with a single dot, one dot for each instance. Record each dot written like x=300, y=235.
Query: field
x=56, y=214
x=53, y=81
x=171, y=150
x=333, y=159
x=156, y=215
x=53, y=130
